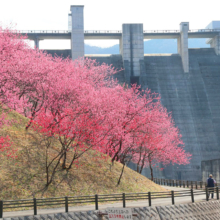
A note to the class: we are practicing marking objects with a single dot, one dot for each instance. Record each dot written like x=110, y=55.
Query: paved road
x=140, y=203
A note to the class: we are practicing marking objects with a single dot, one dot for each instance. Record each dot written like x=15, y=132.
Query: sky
x=106, y=15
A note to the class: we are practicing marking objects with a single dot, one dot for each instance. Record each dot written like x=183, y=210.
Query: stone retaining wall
x=192, y=211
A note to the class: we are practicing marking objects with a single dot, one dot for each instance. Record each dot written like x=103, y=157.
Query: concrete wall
x=77, y=35
x=193, y=98
x=215, y=43
x=192, y=211
x=183, y=44
x=115, y=60
x=132, y=51
x=213, y=25
x=211, y=167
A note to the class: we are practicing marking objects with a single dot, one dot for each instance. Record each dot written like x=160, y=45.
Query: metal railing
x=111, y=31
x=103, y=32
x=161, y=31
x=204, y=30
x=9, y=205
x=65, y=31
x=181, y=183
x=41, y=31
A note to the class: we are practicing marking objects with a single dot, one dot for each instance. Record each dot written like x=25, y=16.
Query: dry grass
x=24, y=176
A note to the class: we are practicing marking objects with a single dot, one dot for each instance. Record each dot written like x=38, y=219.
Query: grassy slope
x=24, y=176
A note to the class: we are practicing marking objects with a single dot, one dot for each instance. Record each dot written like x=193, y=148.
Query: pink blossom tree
x=79, y=104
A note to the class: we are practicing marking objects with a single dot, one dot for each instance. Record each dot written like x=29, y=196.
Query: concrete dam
x=188, y=82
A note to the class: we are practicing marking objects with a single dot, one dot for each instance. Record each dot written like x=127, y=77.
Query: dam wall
x=112, y=59
x=193, y=98
x=115, y=60
x=211, y=167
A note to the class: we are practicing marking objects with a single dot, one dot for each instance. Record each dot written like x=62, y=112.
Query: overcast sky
x=107, y=15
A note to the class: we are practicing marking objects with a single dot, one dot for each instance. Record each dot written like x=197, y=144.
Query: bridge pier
x=36, y=42
x=215, y=43
x=77, y=35
x=132, y=51
x=182, y=42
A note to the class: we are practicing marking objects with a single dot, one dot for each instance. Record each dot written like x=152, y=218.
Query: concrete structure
x=131, y=40
x=132, y=51
x=215, y=41
x=193, y=98
x=36, y=42
x=77, y=35
x=211, y=167
x=192, y=211
x=183, y=45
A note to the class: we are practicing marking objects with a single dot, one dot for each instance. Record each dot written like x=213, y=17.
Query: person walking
x=210, y=185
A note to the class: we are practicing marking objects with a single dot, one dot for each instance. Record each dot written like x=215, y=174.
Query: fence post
x=35, y=206
x=123, y=196
x=192, y=196
x=217, y=191
x=187, y=184
x=172, y=196
x=66, y=204
x=207, y=194
x=96, y=202
x=149, y=198
x=1, y=209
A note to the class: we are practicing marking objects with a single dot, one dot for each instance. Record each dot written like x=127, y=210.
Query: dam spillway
x=194, y=100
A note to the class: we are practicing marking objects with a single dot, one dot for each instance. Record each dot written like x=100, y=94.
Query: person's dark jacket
x=210, y=182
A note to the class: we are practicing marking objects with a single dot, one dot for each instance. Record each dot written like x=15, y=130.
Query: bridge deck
x=90, y=35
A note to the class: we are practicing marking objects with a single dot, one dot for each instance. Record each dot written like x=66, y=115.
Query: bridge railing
x=161, y=31
x=111, y=31
x=41, y=31
x=65, y=31
x=102, y=32
x=204, y=30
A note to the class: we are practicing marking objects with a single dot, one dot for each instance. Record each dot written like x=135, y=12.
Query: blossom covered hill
x=23, y=176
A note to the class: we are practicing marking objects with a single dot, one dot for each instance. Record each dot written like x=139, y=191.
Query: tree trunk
x=119, y=180
x=137, y=168
x=64, y=161
x=151, y=171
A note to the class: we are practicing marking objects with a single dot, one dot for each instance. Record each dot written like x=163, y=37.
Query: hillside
x=24, y=176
